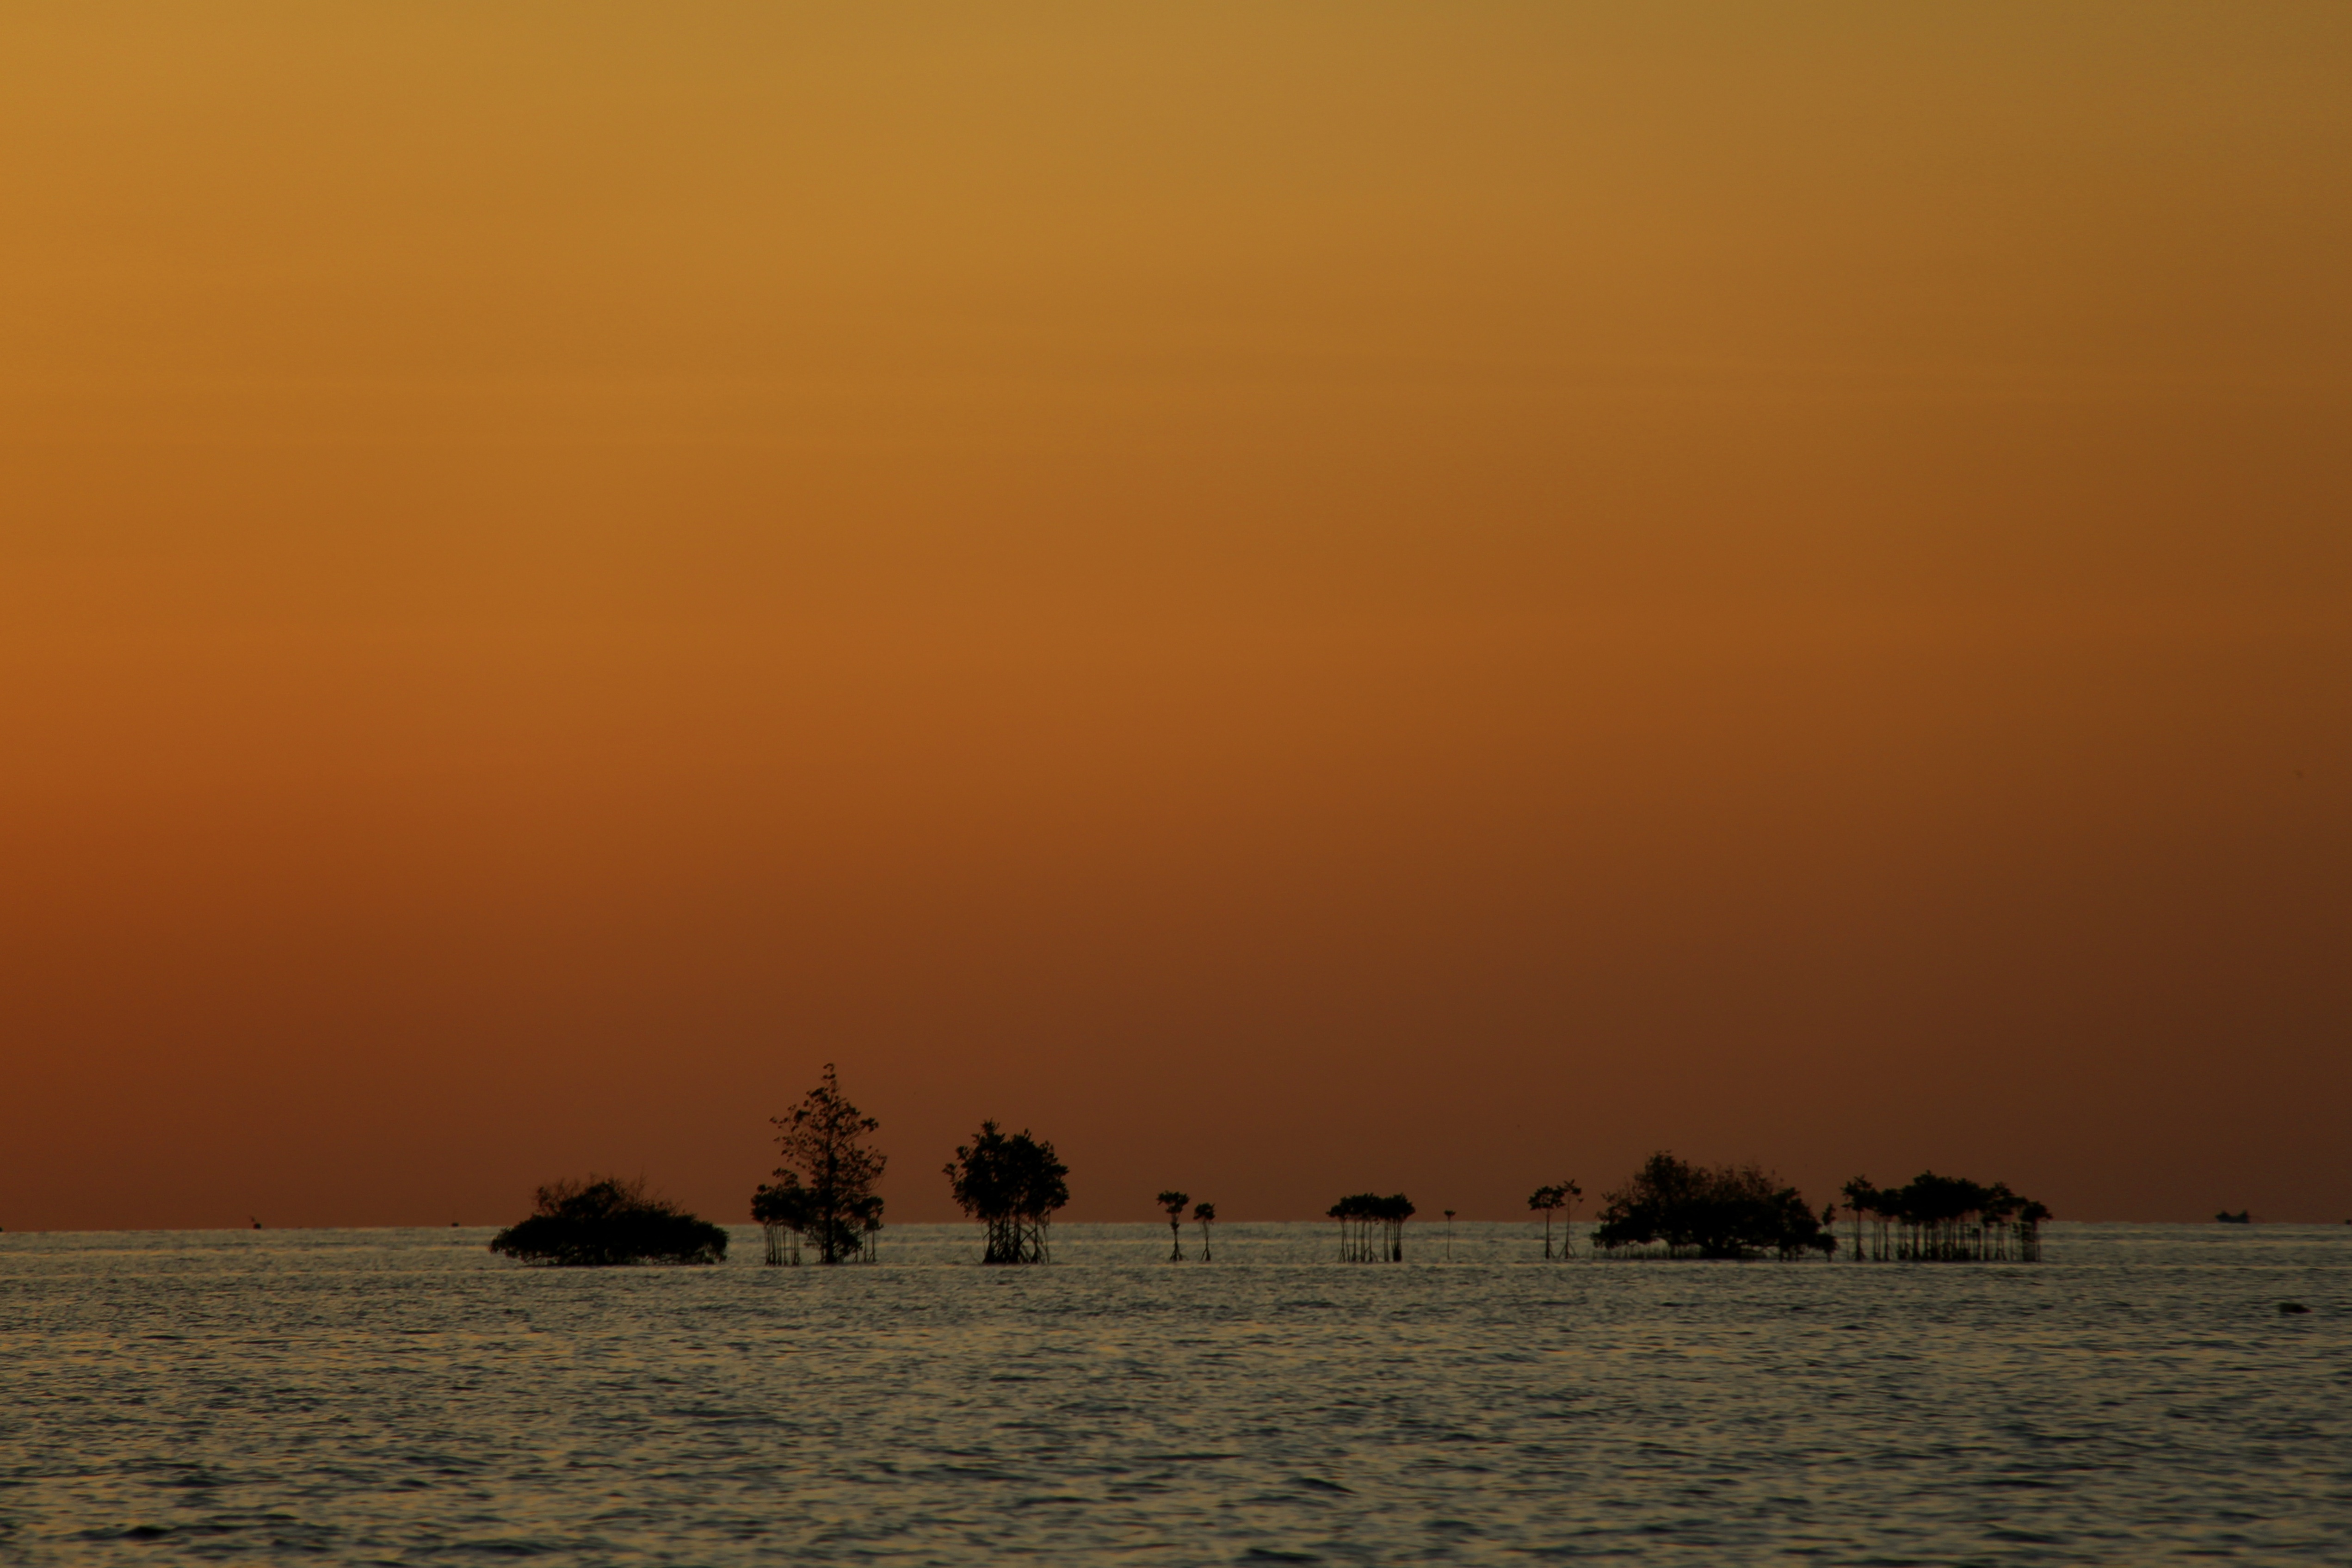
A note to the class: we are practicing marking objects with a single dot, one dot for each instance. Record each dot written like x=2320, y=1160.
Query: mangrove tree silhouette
x=1204, y=1216
x=1551, y=1201
x=1011, y=1184
x=606, y=1221
x=823, y=1191
x=1173, y=1202
x=1691, y=1211
x=1371, y=1227
x=1944, y=1219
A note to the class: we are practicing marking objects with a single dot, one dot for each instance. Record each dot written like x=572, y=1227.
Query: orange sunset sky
x=1299, y=596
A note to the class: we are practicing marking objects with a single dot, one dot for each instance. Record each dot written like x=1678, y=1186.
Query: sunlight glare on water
x=397, y=1396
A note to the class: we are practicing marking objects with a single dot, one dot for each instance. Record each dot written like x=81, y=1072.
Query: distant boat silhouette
x=256, y=1224
x=2240, y=1218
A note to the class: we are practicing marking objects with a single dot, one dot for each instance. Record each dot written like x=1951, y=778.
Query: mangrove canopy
x=1691, y=1211
x=604, y=1221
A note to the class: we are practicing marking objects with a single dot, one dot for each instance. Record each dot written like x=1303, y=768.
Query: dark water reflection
x=402, y=1396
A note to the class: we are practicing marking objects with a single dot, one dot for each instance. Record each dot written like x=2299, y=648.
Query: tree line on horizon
x=1944, y=1219
x=821, y=1201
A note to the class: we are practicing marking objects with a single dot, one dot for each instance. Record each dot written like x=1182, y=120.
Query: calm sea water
x=402, y=1396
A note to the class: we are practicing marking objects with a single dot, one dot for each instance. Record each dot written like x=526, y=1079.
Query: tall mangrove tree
x=823, y=1191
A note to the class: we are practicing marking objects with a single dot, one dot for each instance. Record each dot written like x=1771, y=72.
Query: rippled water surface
x=400, y=1396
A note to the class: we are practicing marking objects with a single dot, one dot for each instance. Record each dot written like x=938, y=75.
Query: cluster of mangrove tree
x=1371, y=1227
x=824, y=1194
x=822, y=1200
x=1171, y=1203
x=1683, y=1210
x=606, y=1220
x=1011, y=1184
x=1944, y=1219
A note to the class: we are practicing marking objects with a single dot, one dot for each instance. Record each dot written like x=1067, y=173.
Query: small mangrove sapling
x=1172, y=1203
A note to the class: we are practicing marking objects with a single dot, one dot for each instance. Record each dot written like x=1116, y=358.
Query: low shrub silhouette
x=1726, y=1212
x=606, y=1221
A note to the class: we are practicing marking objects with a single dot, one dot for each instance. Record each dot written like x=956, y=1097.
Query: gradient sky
x=1301, y=597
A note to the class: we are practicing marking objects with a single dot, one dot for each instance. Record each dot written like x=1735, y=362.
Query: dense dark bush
x=1728, y=1212
x=604, y=1220
x=1010, y=1183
